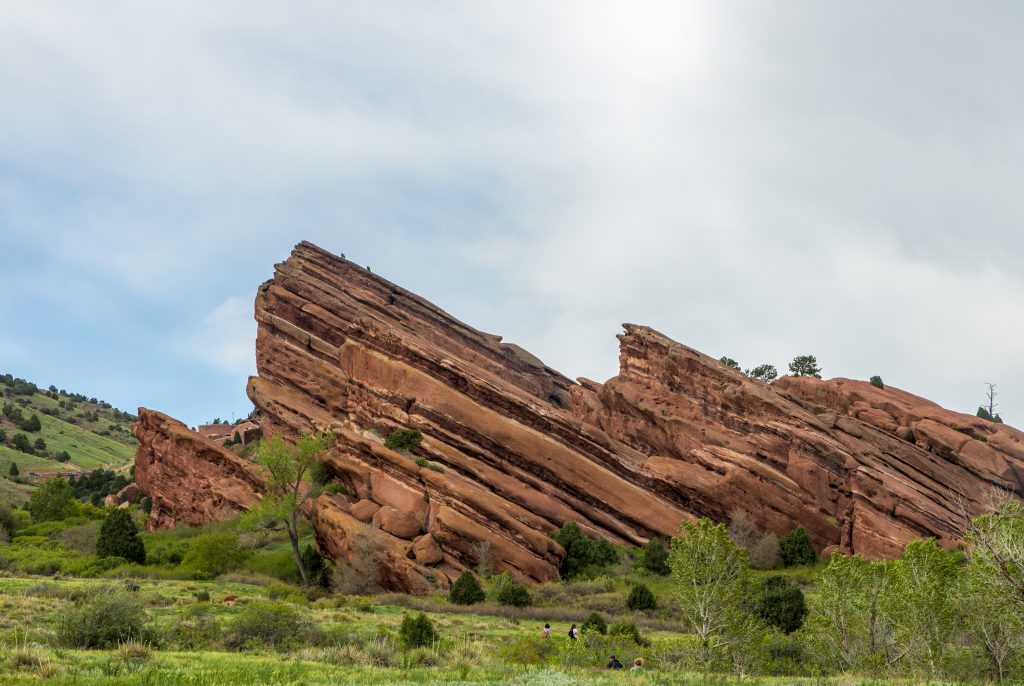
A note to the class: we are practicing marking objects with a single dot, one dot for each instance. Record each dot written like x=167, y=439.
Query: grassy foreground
x=354, y=643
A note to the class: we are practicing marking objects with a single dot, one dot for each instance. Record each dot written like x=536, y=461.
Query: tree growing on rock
x=287, y=494
x=119, y=537
x=877, y=382
x=763, y=372
x=729, y=362
x=805, y=365
x=988, y=410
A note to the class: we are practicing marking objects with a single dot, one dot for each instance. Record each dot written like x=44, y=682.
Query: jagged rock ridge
x=515, y=449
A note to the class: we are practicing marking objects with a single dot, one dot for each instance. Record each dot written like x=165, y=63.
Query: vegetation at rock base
x=119, y=537
x=796, y=548
x=466, y=590
x=582, y=554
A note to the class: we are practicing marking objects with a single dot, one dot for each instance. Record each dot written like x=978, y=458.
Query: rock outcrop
x=189, y=478
x=512, y=449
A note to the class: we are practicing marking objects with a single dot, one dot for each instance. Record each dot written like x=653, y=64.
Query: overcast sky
x=758, y=180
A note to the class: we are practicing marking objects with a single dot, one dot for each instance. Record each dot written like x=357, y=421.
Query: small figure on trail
x=573, y=632
x=546, y=631
x=637, y=664
x=613, y=663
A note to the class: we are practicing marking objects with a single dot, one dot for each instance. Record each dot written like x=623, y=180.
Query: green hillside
x=51, y=430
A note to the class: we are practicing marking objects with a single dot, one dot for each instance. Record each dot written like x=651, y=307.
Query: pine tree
x=466, y=590
x=120, y=538
x=13, y=471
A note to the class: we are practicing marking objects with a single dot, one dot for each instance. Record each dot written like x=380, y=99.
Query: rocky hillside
x=512, y=449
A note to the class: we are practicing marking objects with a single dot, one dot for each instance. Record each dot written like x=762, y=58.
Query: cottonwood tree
x=919, y=603
x=288, y=491
x=845, y=628
x=992, y=617
x=712, y=576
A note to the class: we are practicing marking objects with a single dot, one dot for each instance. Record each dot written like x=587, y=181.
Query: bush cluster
x=416, y=631
x=404, y=439
x=796, y=548
x=582, y=552
x=466, y=590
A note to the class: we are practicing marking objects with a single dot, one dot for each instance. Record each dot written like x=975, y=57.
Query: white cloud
x=225, y=338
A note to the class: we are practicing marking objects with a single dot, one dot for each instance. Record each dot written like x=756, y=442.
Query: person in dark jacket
x=613, y=663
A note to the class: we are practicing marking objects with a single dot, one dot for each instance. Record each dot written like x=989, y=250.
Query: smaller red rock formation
x=190, y=479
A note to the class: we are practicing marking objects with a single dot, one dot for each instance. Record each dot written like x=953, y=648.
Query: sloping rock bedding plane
x=512, y=449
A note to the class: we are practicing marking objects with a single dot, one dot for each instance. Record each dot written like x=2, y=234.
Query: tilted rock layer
x=512, y=449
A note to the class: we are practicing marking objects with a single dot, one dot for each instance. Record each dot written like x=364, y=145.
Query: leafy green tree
x=729, y=362
x=654, y=558
x=417, y=631
x=212, y=554
x=919, y=604
x=32, y=424
x=876, y=381
x=845, y=629
x=404, y=439
x=641, y=598
x=779, y=603
x=466, y=590
x=287, y=494
x=13, y=471
x=51, y=501
x=711, y=575
x=796, y=548
x=40, y=445
x=763, y=372
x=993, y=618
x=119, y=537
x=594, y=623
x=805, y=365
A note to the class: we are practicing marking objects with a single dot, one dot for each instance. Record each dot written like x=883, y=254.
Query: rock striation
x=512, y=449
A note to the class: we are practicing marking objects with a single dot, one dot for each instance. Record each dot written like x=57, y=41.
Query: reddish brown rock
x=426, y=551
x=514, y=449
x=189, y=478
x=364, y=510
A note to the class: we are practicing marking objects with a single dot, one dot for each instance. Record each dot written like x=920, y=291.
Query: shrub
x=108, y=617
x=134, y=650
x=119, y=537
x=210, y=555
x=876, y=381
x=404, y=439
x=202, y=596
x=195, y=628
x=765, y=553
x=594, y=623
x=13, y=471
x=21, y=442
x=796, y=548
x=416, y=632
x=729, y=362
x=514, y=595
x=641, y=598
x=629, y=630
x=466, y=590
x=266, y=624
x=318, y=569
x=32, y=424
x=654, y=557
x=582, y=552
x=779, y=603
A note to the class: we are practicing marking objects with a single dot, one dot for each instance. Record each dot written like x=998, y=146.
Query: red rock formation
x=189, y=478
x=512, y=449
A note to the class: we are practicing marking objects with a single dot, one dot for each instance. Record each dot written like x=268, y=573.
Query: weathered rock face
x=190, y=479
x=514, y=449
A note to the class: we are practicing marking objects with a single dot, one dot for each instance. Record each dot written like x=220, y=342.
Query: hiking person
x=637, y=664
x=573, y=632
x=613, y=663
x=546, y=631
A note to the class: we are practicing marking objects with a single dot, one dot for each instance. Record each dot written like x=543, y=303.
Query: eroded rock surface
x=512, y=449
